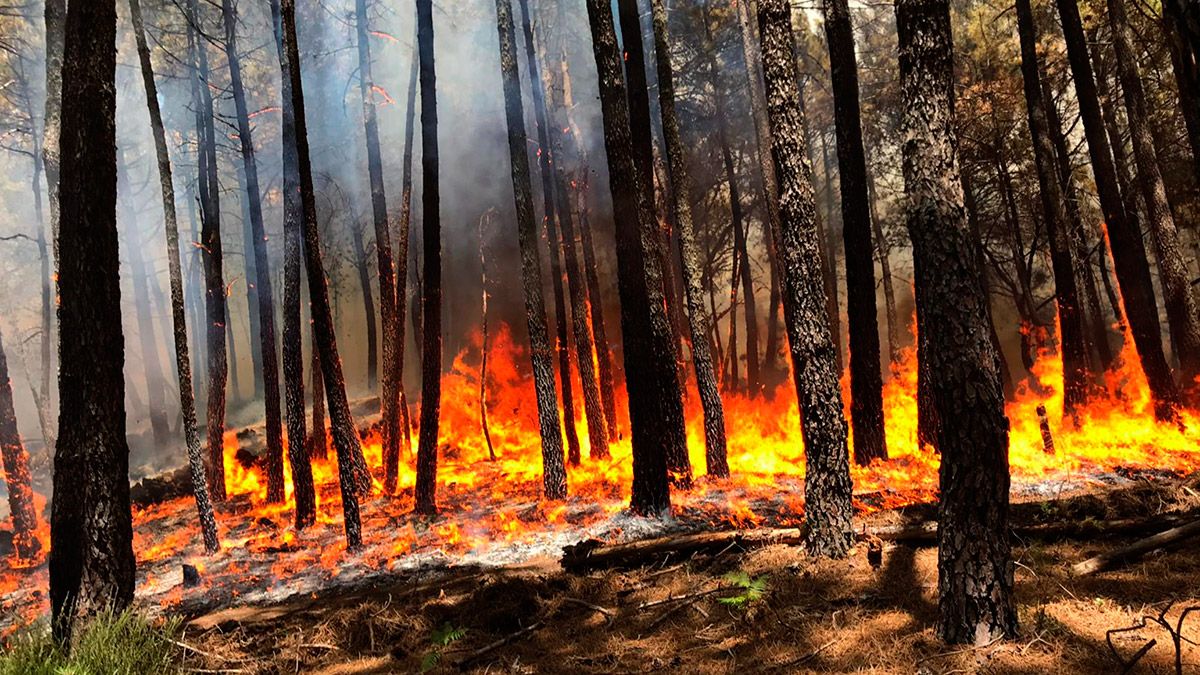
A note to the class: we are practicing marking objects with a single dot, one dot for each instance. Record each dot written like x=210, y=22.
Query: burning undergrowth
x=492, y=513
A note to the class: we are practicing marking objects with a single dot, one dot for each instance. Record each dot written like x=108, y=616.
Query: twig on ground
x=608, y=613
x=489, y=648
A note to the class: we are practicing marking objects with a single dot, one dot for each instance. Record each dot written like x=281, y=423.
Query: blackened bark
x=827, y=503
x=15, y=461
x=431, y=283
x=750, y=309
x=401, y=237
x=1128, y=249
x=699, y=320
x=975, y=577
x=1072, y=340
x=318, y=438
x=216, y=310
x=883, y=250
x=183, y=362
x=655, y=406
x=352, y=473
x=550, y=221
x=293, y=351
x=604, y=359
x=361, y=266
x=262, y=269
x=1178, y=294
x=1181, y=26
x=91, y=525
x=554, y=475
x=866, y=380
x=829, y=244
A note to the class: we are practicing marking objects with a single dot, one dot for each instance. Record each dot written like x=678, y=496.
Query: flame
x=485, y=502
x=382, y=93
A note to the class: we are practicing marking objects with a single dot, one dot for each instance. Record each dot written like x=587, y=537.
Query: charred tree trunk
x=91, y=525
x=402, y=235
x=352, y=472
x=361, y=266
x=15, y=461
x=1072, y=341
x=1128, y=249
x=318, y=439
x=1178, y=293
x=250, y=271
x=216, y=310
x=866, y=380
x=293, y=350
x=262, y=281
x=183, y=363
x=883, y=250
x=431, y=292
x=389, y=394
x=699, y=320
x=679, y=467
x=829, y=243
x=827, y=501
x=604, y=359
x=655, y=406
x=1181, y=25
x=554, y=475
x=975, y=580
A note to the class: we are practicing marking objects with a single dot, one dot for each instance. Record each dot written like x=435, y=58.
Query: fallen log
x=1110, y=560
x=592, y=554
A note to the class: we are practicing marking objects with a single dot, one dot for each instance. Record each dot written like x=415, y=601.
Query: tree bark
x=866, y=380
x=1072, y=340
x=368, y=302
x=975, y=580
x=293, y=351
x=54, y=16
x=1006, y=380
x=352, y=472
x=829, y=241
x=883, y=250
x=1181, y=26
x=554, y=475
x=183, y=363
x=827, y=500
x=1128, y=249
x=604, y=360
x=91, y=525
x=1178, y=293
x=655, y=406
x=15, y=461
x=262, y=268
x=431, y=294
x=699, y=320
x=318, y=439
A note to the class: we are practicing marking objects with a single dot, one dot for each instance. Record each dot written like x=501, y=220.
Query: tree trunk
x=554, y=475
x=431, y=294
x=1128, y=249
x=91, y=525
x=975, y=580
x=699, y=320
x=216, y=310
x=829, y=242
x=15, y=461
x=883, y=250
x=151, y=365
x=827, y=502
x=352, y=471
x=318, y=439
x=655, y=406
x=1072, y=342
x=1006, y=379
x=866, y=380
x=250, y=270
x=1178, y=294
x=368, y=300
x=55, y=17
x=42, y=393
x=183, y=363
x=1183, y=39
x=596, y=307
x=262, y=268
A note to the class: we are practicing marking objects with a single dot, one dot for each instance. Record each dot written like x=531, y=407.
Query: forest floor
x=696, y=615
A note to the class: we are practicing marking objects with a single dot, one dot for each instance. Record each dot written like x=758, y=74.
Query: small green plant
x=116, y=644
x=441, y=638
x=753, y=589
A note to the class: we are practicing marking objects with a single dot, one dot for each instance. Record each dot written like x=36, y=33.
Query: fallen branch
x=491, y=647
x=1107, y=561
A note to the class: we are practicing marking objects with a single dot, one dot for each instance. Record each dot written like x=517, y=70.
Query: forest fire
x=494, y=508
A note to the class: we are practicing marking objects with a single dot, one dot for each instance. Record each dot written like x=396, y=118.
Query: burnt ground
x=812, y=616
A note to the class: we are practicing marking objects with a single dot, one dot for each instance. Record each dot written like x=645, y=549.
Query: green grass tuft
x=110, y=644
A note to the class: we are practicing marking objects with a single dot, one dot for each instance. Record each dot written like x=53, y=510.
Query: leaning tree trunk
x=91, y=524
x=554, y=475
x=655, y=406
x=15, y=461
x=827, y=501
x=866, y=380
x=183, y=363
x=389, y=399
x=699, y=320
x=262, y=267
x=1072, y=340
x=431, y=285
x=1128, y=249
x=1178, y=294
x=975, y=580
x=352, y=472
x=216, y=310
x=293, y=351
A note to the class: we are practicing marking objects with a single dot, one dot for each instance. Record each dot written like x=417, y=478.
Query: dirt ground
x=697, y=616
